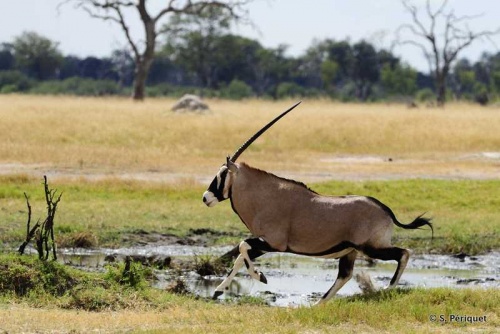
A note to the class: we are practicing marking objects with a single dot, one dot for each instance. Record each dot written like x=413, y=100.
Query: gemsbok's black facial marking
x=218, y=190
x=218, y=184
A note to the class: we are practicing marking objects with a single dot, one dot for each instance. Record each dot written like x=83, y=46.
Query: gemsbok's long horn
x=258, y=133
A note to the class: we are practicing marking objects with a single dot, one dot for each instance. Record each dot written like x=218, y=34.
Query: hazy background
x=295, y=23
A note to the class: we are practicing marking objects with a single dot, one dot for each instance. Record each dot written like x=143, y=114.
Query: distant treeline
x=236, y=67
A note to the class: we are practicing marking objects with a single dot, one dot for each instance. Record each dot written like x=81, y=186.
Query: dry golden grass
x=174, y=320
x=403, y=313
x=115, y=135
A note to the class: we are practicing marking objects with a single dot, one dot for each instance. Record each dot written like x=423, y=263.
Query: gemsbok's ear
x=231, y=165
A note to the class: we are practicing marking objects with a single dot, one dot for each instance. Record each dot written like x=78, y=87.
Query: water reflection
x=296, y=280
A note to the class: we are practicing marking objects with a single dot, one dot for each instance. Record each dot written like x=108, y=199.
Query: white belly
x=338, y=254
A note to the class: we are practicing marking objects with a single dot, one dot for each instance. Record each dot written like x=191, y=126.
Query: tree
x=399, y=79
x=309, y=65
x=123, y=64
x=462, y=78
x=493, y=63
x=144, y=51
x=14, y=81
x=314, y=69
x=350, y=71
x=193, y=43
x=70, y=67
x=237, y=57
x=36, y=55
x=271, y=67
x=329, y=71
x=6, y=57
x=216, y=59
x=440, y=48
x=365, y=68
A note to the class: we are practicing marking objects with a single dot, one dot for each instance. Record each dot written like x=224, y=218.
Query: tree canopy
x=38, y=56
x=216, y=62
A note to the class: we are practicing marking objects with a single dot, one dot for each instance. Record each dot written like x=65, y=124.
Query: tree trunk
x=441, y=76
x=143, y=61
x=441, y=92
x=140, y=77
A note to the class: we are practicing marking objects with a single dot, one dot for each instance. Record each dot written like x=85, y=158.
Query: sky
x=295, y=23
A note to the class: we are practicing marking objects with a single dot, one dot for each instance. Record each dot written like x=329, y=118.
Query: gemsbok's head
x=219, y=189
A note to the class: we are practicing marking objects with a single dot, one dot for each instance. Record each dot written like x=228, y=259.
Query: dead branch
x=440, y=49
x=30, y=233
x=43, y=233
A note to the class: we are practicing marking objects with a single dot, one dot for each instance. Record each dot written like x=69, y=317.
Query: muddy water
x=297, y=280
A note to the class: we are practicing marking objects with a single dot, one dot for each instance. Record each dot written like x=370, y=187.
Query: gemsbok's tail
x=415, y=224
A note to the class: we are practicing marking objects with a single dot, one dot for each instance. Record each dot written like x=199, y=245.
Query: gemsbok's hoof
x=320, y=302
x=217, y=294
x=263, y=278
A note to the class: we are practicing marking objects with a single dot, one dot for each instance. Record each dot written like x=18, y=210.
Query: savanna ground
x=132, y=169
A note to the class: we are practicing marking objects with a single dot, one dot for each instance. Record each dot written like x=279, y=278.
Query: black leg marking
x=217, y=294
x=387, y=254
x=255, y=253
x=259, y=247
x=346, y=265
x=263, y=278
x=231, y=255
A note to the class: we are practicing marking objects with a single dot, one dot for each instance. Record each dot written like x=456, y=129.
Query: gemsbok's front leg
x=243, y=258
x=238, y=263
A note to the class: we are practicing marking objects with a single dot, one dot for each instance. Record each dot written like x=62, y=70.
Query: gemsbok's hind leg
x=346, y=265
x=393, y=253
x=249, y=249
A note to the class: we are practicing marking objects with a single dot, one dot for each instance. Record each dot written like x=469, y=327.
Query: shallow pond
x=298, y=280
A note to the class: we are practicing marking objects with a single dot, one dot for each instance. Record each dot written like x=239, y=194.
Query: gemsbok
x=286, y=216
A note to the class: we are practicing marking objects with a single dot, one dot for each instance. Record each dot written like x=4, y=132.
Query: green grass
x=111, y=210
x=43, y=283
x=465, y=213
x=399, y=308
x=57, y=295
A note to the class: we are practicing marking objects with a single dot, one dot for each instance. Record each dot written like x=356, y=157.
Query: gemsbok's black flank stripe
x=335, y=249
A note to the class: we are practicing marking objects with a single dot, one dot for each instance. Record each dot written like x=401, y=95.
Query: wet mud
x=293, y=280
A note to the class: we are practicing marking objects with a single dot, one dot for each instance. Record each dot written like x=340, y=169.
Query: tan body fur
x=302, y=221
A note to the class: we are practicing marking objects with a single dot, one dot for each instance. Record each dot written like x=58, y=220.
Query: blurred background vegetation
x=220, y=64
